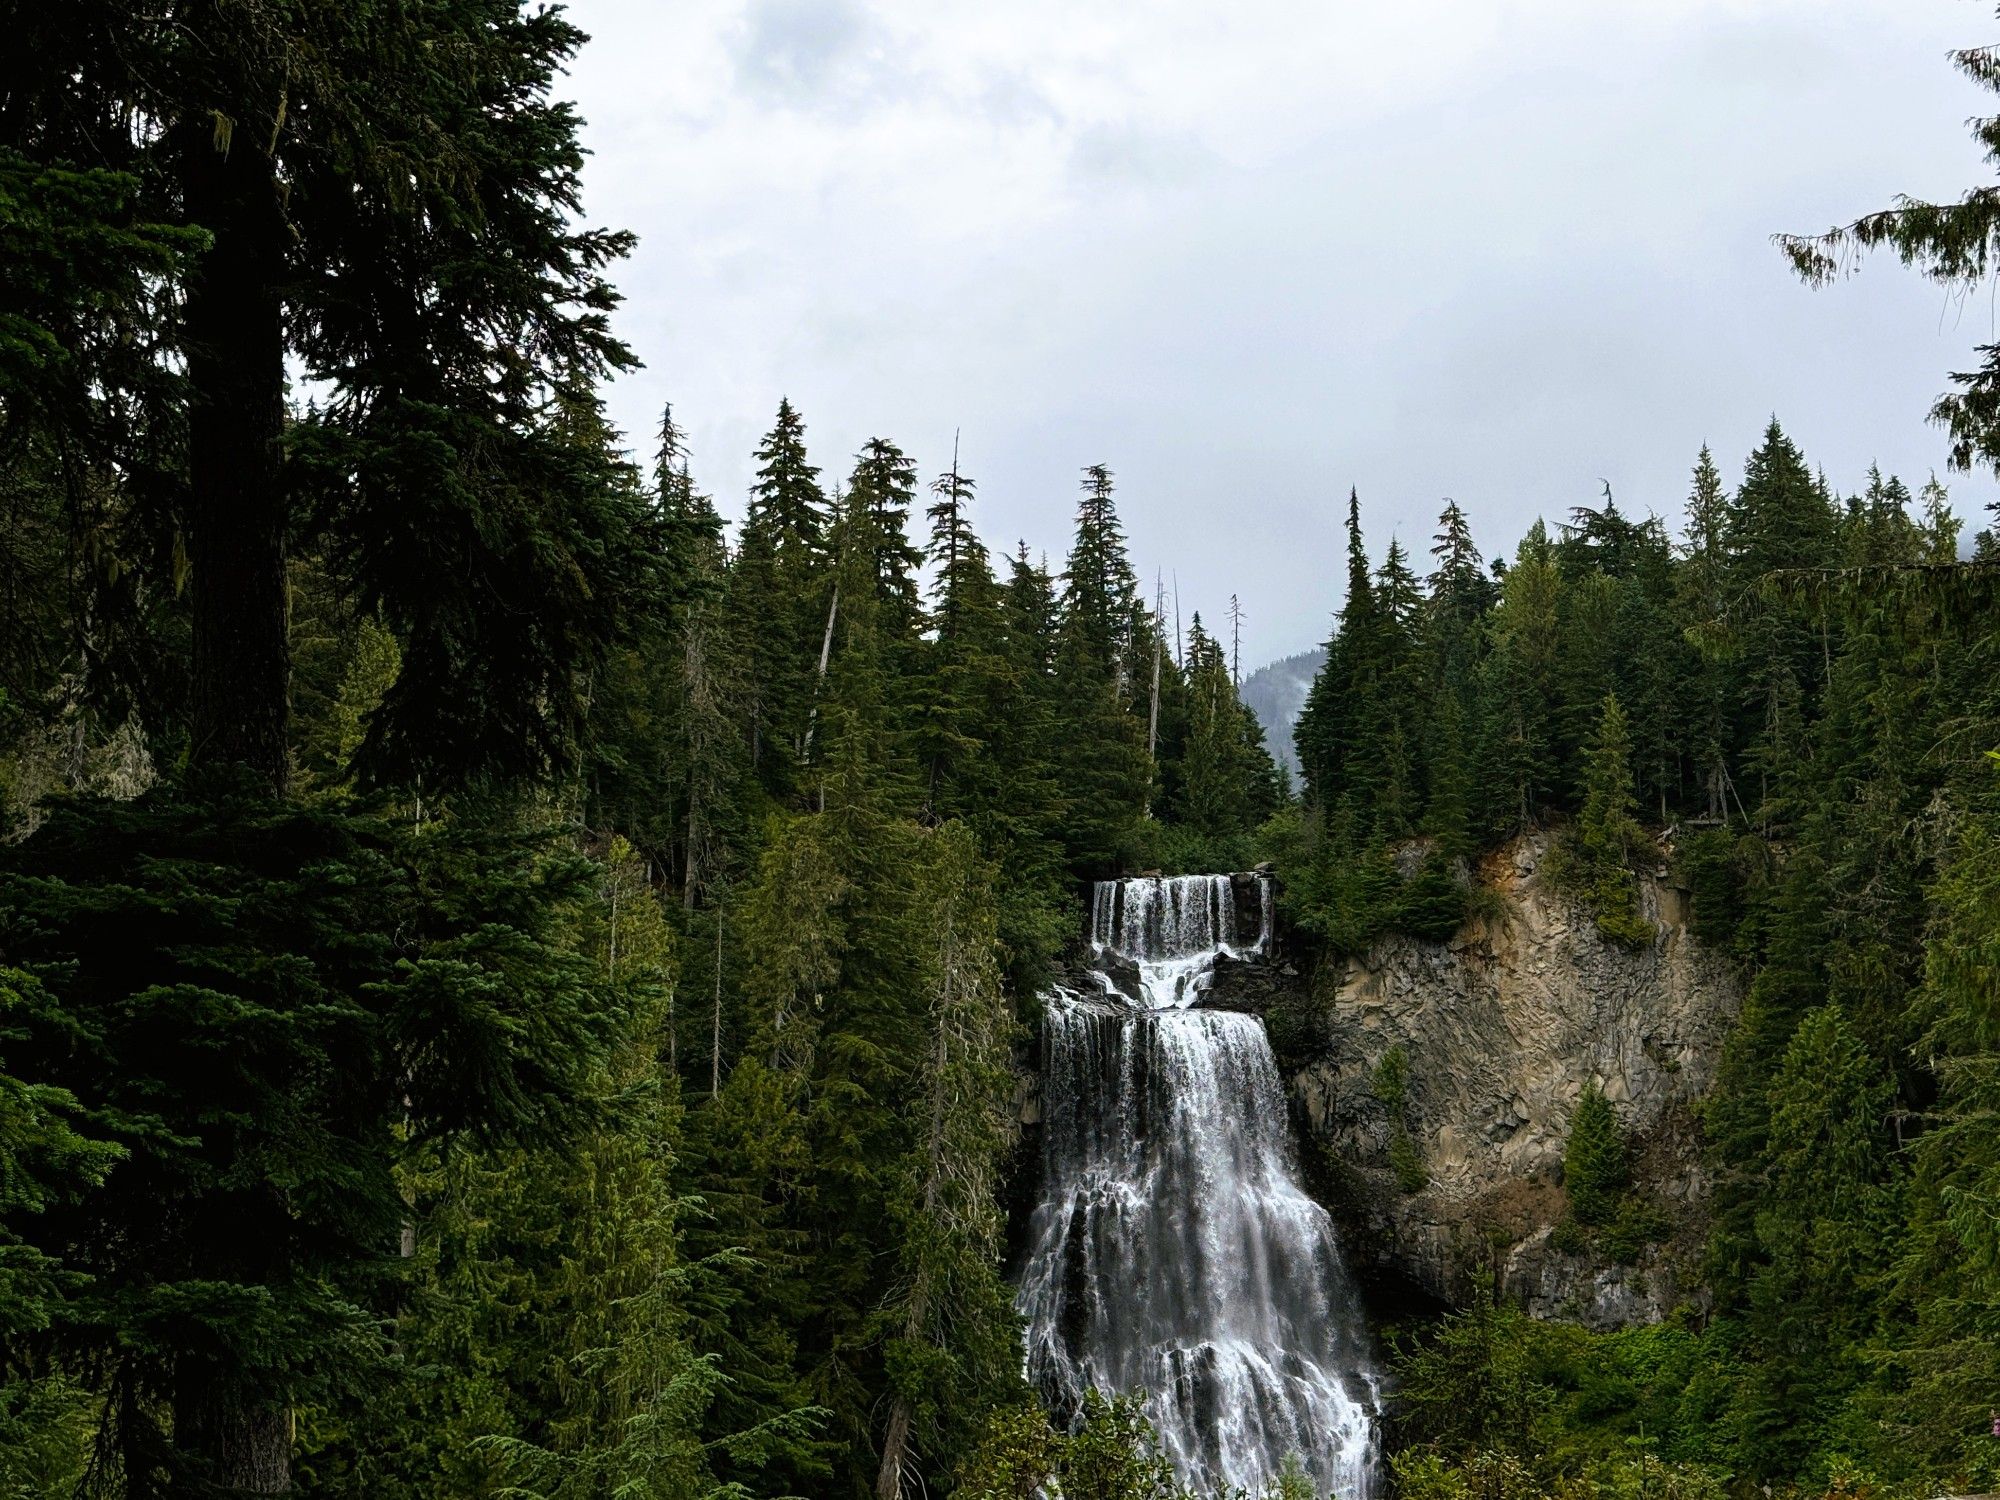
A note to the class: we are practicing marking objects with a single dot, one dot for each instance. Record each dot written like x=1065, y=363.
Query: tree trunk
x=234, y=527
x=237, y=1449
x=715, y=1036
x=235, y=1441
x=895, y=1452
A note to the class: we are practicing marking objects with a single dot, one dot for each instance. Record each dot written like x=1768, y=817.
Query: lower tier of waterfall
x=1173, y=1250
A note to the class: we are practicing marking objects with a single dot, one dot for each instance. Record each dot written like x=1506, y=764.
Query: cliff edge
x=1496, y=1035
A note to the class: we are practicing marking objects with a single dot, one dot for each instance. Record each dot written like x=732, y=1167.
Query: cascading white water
x=1174, y=1251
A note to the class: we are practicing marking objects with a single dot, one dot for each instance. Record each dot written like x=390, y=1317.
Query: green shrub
x=1569, y=1237
x=1406, y=1160
x=1636, y=1225
x=1177, y=849
x=1291, y=1482
x=1351, y=895
x=1431, y=904
x=1391, y=1082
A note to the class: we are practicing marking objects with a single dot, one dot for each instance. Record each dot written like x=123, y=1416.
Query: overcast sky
x=1250, y=253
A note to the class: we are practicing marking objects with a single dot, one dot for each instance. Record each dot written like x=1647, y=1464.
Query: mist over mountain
x=1275, y=693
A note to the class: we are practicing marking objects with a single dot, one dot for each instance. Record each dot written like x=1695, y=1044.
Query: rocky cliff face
x=1500, y=1031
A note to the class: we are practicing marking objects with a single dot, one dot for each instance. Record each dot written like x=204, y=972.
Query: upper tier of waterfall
x=1174, y=1251
x=1172, y=929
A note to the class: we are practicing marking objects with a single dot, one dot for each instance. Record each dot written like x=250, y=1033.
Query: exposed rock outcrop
x=1500, y=1031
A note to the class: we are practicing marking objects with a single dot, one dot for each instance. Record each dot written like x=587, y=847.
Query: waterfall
x=1173, y=1250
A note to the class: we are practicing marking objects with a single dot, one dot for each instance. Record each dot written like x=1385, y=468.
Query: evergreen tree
x=1213, y=787
x=1023, y=828
x=884, y=486
x=953, y=1346
x=1944, y=1307
x=1105, y=792
x=1098, y=584
x=295, y=994
x=1338, y=727
x=1608, y=833
x=961, y=686
x=781, y=592
x=1399, y=676
x=1595, y=1169
x=550, y=1265
x=1950, y=244
x=1780, y=520
x=1517, y=686
x=1703, y=583
x=1459, y=588
x=1819, y=1234
x=264, y=1005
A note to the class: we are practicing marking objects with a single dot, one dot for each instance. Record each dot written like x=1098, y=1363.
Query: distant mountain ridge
x=1276, y=692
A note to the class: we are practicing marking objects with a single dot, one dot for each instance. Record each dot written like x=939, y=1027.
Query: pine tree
x=528, y=1265
x=296, y=993
x=1098, y=584
x=953, y=1345
x=437, y=468
x=1945, y=1289
x=1022, y=830
x=1212, y=791
x=1608, y=833
x=1819, y=1234
x=781, y=591
x=54, y=1161
x=1950, y=244
x=1106, y=789
x=961, y=684
x=709, y=759
x=1459, y=588
x=293, y=996
x=1703, y=584
x=1399, y=678
x=1781, y=519
x=1517, y=687
x=884, y=485
x=1340, y=722
x=1448, y=813
x=1595, y=1168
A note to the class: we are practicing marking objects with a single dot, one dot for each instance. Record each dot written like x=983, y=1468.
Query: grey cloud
x=796, y=51
x=1502, y=285
x=1134, y=156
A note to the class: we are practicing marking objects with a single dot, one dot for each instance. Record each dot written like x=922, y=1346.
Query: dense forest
x=1792, y=706
x=509, y=989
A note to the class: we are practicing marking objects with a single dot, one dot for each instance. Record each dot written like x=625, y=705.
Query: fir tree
x=953, y=1346
x=1336, y=729
x=961, y=684
x=884, y=486
x=291, y=995
x=1105, y=793
x=1517, y=686
x=1780, y=520
x=1703, y=584
x=1098, y=584
x=405, y=236
x=1950, y=244
x=1608, y=833
x=782, y=590
x=1595, y=1169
